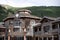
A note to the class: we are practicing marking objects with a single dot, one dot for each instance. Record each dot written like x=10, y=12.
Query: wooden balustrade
x=1, y=33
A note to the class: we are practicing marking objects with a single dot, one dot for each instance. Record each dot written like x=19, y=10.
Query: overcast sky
x=26, y=3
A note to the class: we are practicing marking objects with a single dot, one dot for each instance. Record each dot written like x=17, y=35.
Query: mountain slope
x=40, y=11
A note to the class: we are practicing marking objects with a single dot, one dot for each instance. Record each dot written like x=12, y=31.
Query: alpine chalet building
x=23, y=26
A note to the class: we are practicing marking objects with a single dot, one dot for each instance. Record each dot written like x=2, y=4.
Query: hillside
x=40, y=11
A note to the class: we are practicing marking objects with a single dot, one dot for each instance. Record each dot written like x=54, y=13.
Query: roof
x=51, y=18
x=24, y=10
x=22, y=15
x=33, y=17
x=48, y=18
x=58, y=18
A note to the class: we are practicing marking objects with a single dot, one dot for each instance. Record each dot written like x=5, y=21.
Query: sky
x=26, y=3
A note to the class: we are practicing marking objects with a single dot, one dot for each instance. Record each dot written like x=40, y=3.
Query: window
x=19, y=38
x=16, y=29
x=46, y=28
x=17, y=23
x=10, y=22
x=2, y=30
x=35, y=29
x=45, y=38
x=29, y=38
x=40, y=38
x=55, y=26
x=59, y=25
x=36, y=38
x=6, y=23
x=49, y=38
x=39, y=28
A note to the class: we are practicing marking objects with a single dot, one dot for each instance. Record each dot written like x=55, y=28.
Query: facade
x=18, y=26
x=24, y=26
x=49, y=29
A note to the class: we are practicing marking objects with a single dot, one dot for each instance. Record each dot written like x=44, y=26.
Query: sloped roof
x=24, y=10
x=51, y=18
x=22, y=15
x=48, y=18
x=58, y=18
x=25, y=16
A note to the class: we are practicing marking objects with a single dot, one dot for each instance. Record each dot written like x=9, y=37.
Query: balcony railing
x=1, y=33
x=16, y=33
x=55, y=30
x=37, y=33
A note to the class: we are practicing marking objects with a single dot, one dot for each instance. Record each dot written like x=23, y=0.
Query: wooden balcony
x=38, y=33
x=54, y=31
x=20, y=34
x=16, y=33
x=1, y=33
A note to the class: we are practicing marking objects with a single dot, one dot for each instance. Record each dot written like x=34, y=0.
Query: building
x=24, y=26
x=49, y=29
x=18, y=26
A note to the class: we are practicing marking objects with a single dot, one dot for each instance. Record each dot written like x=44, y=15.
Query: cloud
x=19, y=3
x=25, y=3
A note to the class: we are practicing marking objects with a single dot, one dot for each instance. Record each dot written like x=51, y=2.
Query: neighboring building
x=49, y=29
